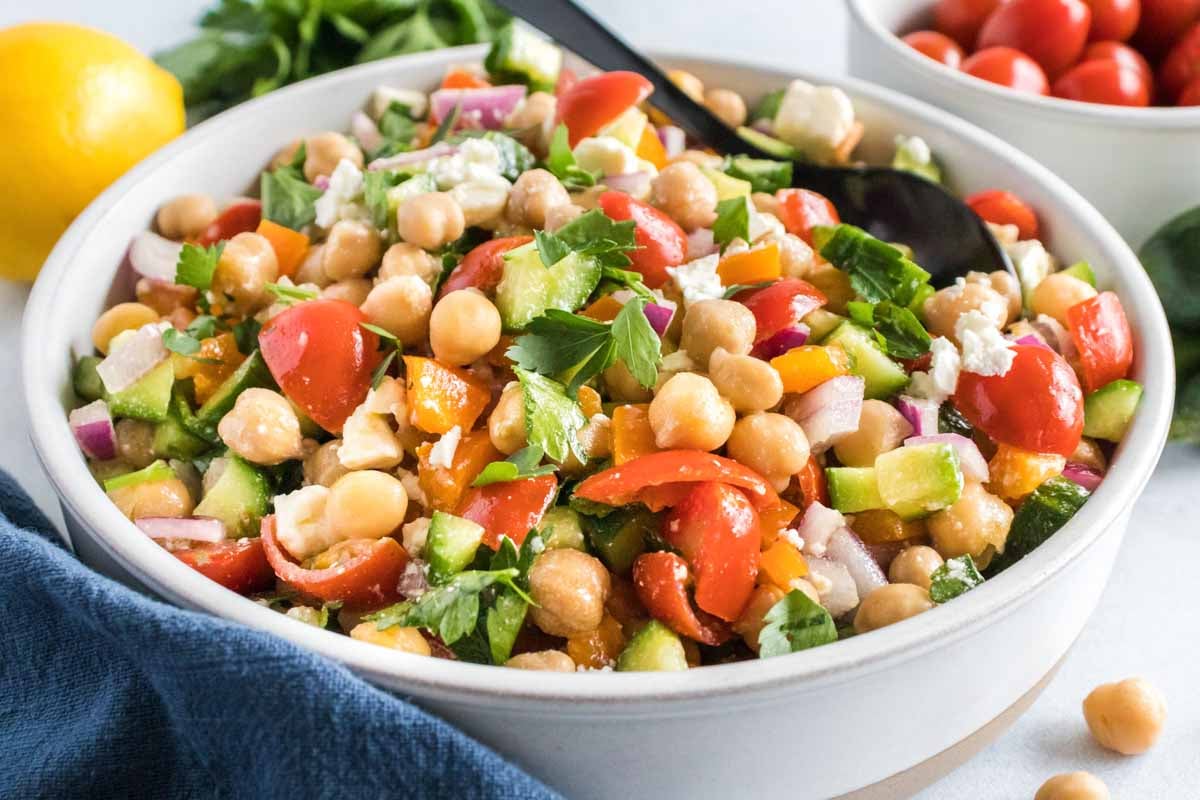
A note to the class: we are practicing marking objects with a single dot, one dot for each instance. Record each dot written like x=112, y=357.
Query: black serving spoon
x=947, y=238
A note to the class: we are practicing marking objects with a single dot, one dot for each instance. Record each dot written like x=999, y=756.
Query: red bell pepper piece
x=781, y=305
x=661, y=582
x=813, y=486
x=1102, y=336
x=509, y=508
x=801, y=210
x=242, y=216
x=483, y=267
x=619, y=486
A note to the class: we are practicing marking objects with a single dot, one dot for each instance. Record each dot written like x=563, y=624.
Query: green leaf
x=551, y=249
x=733, y=220
x=291, y=294
x=375, y=187
x=595, y=234
x=245, y=333
x=197, y=264
x=897, y=329
x=562, y=163
x=180, y=342
x=1170, y=257
x=738, y=288
x=504, y=621
x=525, y=463
x=187, y=342
x=560, y=341
x=629, y=279
x=287, y=198
x=793, y=624
x=878, y=271
x=551, y=417
x=637, y=345
x=446, y=125
x=952, y=578
x=398, y=128
x=451, y=610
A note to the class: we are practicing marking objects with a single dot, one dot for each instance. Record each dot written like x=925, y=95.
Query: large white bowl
x=1139, y=166
x=822, y=723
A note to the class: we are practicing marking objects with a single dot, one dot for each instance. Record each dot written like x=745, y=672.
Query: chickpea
x=914, y=565
x=727, y=105
x=881, y=428
x=286, y=154
x=312, y=268
x=701, y=158
x=135, y=442
x=367, y=504
x=834, y=284
x=407, y=640
x=1073, y=786
x=796, y=258
x=749, y=384
x=765, y=203
x=692, y=86
x=186, y=216
x=596, y=440
x=164, y=297
x=710, y=324
x=772, y=445
x=1126, y=716
x=247, y=265
x=890, y=604
x=683, y=193
x=569, y=588
x=945, y=306
x=463, y=327
x=1057, y=293
x=689, y=413
x=401, y=306
x=351, y=250
x=1089, y=454
x=118, y=319
x=623, y=387
x=323, y=152
x=322, y=467
x=430, y=220
x=403, y=258
x=533, y=195
x=506, y=425
x=543, y=661
x=978, y=520
x=751, y=623
x=532, y=120
x=559, y=216
x=262, y=428
x=1005, y=285
x=354, y=291
x=166, y=498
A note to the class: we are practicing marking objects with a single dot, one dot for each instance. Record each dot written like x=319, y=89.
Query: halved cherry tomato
x=661, y=242
x=716, y=528
x=322, y=357
x=1005, y=208
x=483, y=267
x=1162, y=23
x=661, y=582
x=812, y=483
x=1190, y=96
x=1051, y=32
x=237, y=564
x=1008, y=67
x=1113, y=20
x=1122, y=54
x=592, y=102
x=1037, y=405
x=962, y=19
x=620, y=486
x=1106, y=82
x=290, y=246
x=781, y=305
x=938, y=46
x=362, y=573
x=801, y=210
x=459, y=78
x=1102, y=336
x=1182, y=64
x=509, y=508
x=242, y=216
x=566, y=79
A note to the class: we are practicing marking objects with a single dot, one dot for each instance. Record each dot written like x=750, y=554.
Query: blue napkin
x=107, y=693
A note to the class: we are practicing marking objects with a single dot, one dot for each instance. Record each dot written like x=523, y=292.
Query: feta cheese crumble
x=942, y=378
x=338, y=201
x=698, y=280
x=610, y=156
x=985, y=351
x=815, y=119
x=300, y=522
x=383, y=97
x=442, y=452
x=1032, y=263
x=475, y=160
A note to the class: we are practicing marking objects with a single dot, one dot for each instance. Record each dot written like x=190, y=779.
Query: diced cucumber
x=172, y=439
x=821, y=323
x=562, y=530
x=528, y=287
x=655, y=648
x=86, y=380
x=422, y=183
x=727, y=186
x=764, y=174
x=156, y=471
x=235, y=493
x=148, y=398
x=451, y=545
x=768, y=106
x=620, y=537
x=627, y=128
x=916, y=481
x=884, y=377
x=1045, y=511
x=1108, y=410
x=521, y=56
x=917, y=306
x=853, y=489
x=776, y=148
x=1083, y=271
x=251, y=373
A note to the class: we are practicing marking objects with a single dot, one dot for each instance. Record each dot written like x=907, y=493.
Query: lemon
x=78, y=108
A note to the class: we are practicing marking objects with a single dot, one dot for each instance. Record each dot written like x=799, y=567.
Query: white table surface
x=1148, y=622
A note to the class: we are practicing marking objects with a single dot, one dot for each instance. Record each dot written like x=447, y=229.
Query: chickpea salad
x=513, y=373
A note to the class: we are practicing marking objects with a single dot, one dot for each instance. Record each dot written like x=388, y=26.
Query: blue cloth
x=107, y=693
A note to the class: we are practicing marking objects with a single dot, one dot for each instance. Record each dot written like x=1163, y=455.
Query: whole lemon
x=78, y=108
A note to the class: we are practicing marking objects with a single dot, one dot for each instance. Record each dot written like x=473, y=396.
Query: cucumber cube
x=916, y=481
x=451, y=545
x=853, y=489
x=884, y=377
x=147, y=398
x=529, y=288
x=655, y=648
x=235, y=493
x=1108, y=411
x=727, y=186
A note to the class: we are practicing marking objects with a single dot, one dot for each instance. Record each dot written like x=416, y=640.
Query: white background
x=1149, y=620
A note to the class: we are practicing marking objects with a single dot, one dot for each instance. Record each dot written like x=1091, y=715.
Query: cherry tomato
x=1113, y=20
x=1051, y=32
x=1190, y=96
x=508, y=508
x=1037, y=405
x=620, y=486
x=242, y=216
x=1104, y=82
x=781, y=305
x=237, y=564
x=938, y=46
x=1102, y=336
x=1008, y=67
x=962, y=19
x=566, y=79
x=592, y=102
x=364, y=573
x=661, y=582
x=1005, y=208
x=813, y=486
x=1182, y=64
x=321, y=356
x=801, y=210
x=1123, y=54
x=483, y=267
x=1162, y=23
x=716, y=528
x=661, y=242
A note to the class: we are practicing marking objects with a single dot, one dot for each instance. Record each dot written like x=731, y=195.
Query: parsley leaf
x=287, y=198
x=629, y=279
x=878, y=271
x=397, y=128
x=897, y=329
x=795, y=623
x=597, y=235
x=451, y=610
x=187, y=342
x=551, y=417
x=560, y=341
x=952, y=578
x=375, y=188
x=637, y=345
x=738, y=288
x=245, y=333
x=551, y=249
x=507, y=614
x=197, y=264
x=562, y=164
x=522, y=464
x=733, y=220
x=291, y=294
x=179, y=342
x=389, y=344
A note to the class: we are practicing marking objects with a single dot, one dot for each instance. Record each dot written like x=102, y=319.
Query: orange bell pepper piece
x=441, y=397
x=589, y=402
x=445, y=486
x=604, y=309
x=804, y=368
x=459, y=78
x=650, y=147
x=880, y=526
x=812, y=483
x=1015, y=473
x=600, y=647
x=782, y=563
x=221, y=358
x=290, y=246
x=772, y=520
x=632, y=436
x=752, y=266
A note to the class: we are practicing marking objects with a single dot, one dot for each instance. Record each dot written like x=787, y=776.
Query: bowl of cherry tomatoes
x=1104, y=92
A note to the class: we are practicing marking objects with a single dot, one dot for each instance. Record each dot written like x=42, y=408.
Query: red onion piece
x=135, y=357
x=970, y=460
x=817, y=525
x=829, y=411
x=485, y=108
x=321, y=182
x=659, y=317
x=636, y=184
x=366, y=131
x=700, y=243
x=1034, y=341
x=849, y=551
x=413, y=157
x=785, y=340
x=921, y=414
x=94, y=431
x=885, y=552
x=196, y=529
x=154, y=256
x=674, y=140
x=1085, y=476
x=414, y=581
x=1055, y=334
x=841, y=592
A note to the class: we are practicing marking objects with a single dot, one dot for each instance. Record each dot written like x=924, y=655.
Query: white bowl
x=818, y=724
x=1139, y=166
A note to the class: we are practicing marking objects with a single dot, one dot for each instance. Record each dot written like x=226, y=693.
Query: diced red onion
x=321, y=182
x=154, y=256
x=849, y=551
x=135, y=357
x=885, y=552
x=414, y=581
x=1034, y=341
x=921, y=414
x=635, y=184
x=817, y=525
x=1055, y=335
x=841, y=593
x=674, y=140
x=659, y=317
x=970, y=460
x=700, y=243
x=787, y=339
x=196, y=529
x=764, y=125
x=94, y=431
x=364, y=129
x=413, y=157
x=829, y=411
x=1085, y=476
x=485, y=108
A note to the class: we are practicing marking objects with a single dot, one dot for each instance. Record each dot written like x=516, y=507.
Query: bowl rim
x=631, y=693
x=1151, y=118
